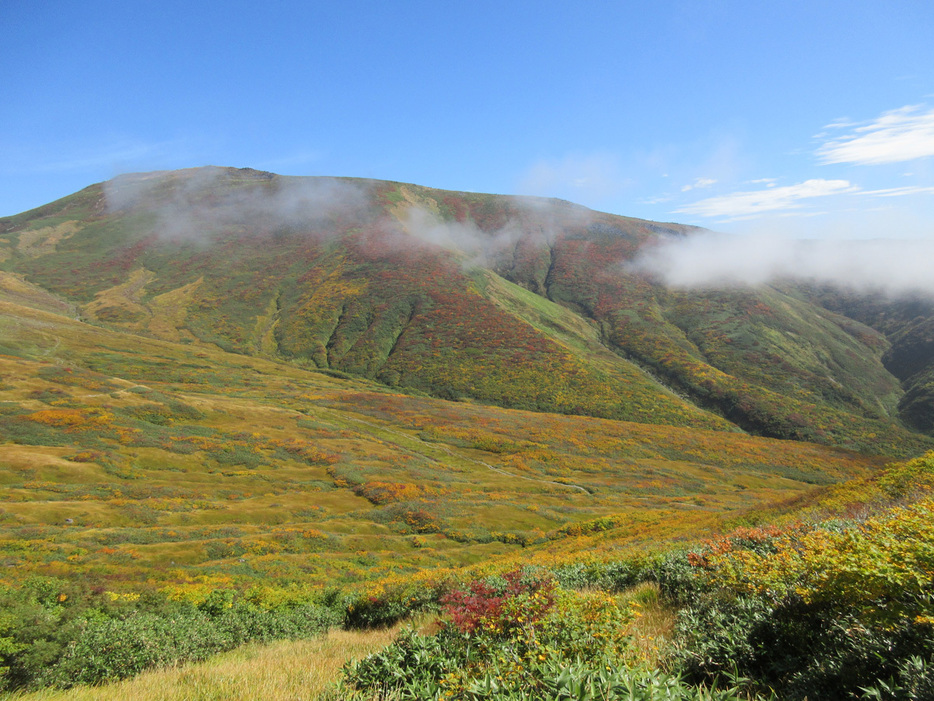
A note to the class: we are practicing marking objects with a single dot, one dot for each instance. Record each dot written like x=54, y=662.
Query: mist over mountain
x=893, y=267
x=516, y=301
x=203, y=201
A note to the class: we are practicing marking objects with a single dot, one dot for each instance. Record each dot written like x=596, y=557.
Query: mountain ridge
x=235, y=381
x=392, y=281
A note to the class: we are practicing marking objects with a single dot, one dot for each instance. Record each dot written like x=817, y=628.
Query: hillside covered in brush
x=241, y=407
x=227, y=373
x=516, y=302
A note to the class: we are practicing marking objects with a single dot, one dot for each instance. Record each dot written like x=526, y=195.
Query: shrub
x=816, y=612
x=513, y=634
x=388, y=602
x=245, y=622
x=112, y=649
x=411, y=667
x=613, y=575
x=501, y=603
x=54, y=635
x=678, y=578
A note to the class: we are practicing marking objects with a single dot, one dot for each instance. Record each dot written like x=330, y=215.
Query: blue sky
x=815, y=118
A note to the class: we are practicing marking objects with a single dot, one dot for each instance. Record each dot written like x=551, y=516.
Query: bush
x=428, y=666
x=112, y=649
x=614, y=575
x=391, y=601
x=914, y=679
x=54, y=635
x=245, y=622
x=514, y=634
x=678, y=578
x=828, y=613
x=805, y=651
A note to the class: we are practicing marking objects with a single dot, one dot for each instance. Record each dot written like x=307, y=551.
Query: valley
x=232, y=391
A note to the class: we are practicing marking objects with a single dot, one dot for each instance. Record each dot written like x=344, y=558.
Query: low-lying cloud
x=536, y=221
x=464, y=237
x=191, y=205
x=710, y=260
x=195, y=205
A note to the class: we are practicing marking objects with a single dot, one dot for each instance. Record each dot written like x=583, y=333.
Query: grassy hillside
x=770, y=362
x=908, y=326
x=236, y=407
x=134, y=459
x=360, y=296
x=517, y=302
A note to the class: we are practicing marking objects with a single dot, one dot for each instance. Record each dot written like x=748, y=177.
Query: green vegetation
x=545, y=318
x=519, y=636
x=281, y=671
x=222, y=426
x=835, y=609
x=817, y=611
x=138, y=460
x=53, y=634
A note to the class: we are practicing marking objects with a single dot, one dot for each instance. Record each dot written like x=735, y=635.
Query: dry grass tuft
x=286, y=671
x=654, y=622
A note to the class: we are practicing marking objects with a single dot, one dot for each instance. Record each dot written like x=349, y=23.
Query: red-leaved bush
x=483, y=603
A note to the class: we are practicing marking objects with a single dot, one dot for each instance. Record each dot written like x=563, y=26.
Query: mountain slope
x=908, y=326
x=131, y=459
x=365, y=299
x=519, y=302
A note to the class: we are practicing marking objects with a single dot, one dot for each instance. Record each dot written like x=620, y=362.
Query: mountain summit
x=521, y=302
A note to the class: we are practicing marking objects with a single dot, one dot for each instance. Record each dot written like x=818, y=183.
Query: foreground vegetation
x=836, y=607
x=56, y=635
x=282, y=671
x=572, y=473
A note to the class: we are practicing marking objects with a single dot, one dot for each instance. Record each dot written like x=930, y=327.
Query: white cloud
x=900, y=135
x=714, y=260
x=753, y=203
x=699, y=184
x=177, y=198
x=533, y=220
x=842, y=123
x=901, y=191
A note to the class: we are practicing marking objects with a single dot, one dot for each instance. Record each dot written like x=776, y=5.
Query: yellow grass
x=654, y=622
x=38, y=242
x=123, y=297
x=77, y=484
x=285, y=671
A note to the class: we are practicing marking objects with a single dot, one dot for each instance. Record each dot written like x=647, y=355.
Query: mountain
x=222, y=375
x=908, y=326
x=223, y=385
x=519, y=302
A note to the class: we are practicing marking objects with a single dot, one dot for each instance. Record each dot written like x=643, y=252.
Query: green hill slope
x=223, y=386
x=137, y=459
x=410, y=286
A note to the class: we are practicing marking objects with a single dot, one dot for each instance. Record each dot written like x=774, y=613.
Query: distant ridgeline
x=520, y=302
x=240, y=407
